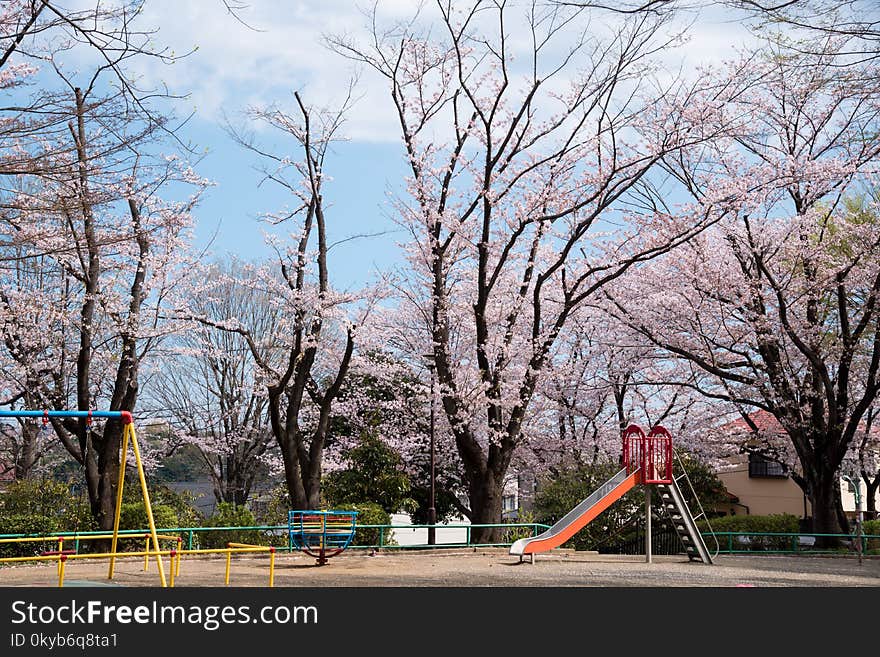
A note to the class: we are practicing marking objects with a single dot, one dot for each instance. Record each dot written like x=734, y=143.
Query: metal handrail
x=795, y=536
x=536, y=528
x=699, y=504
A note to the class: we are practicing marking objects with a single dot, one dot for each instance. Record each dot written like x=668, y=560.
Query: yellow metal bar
x=224, y=550
x=98, y=555
x=60, y=549
x=179, y=554
x=62, y=559
x=34, y=539
x=171, y=578
x=52, y=557
x=271, y=567
x=104, y=555
x=146, y=548
x=37, y=539
x=228, y=565
x=146, y=494
x=118, y=511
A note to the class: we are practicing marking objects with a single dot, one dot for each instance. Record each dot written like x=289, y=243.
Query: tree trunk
x=303, y=492
x=871, y=498
x=485, y=497
x=27, y=457
x=302, y=497
x=825, y=499
x=102, y=491
x=233, y=483
x=295, y=491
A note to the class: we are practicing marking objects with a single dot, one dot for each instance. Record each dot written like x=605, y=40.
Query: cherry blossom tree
x=208, y=388
x=816, y=20
x=775, y=308
x=523, y=134
x=605, y=378
x=87, y=208
x=304, y=363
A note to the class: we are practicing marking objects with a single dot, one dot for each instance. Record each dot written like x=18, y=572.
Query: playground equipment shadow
x=482, y=567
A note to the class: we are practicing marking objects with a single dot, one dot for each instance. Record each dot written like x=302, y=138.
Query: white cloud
x=236, y=66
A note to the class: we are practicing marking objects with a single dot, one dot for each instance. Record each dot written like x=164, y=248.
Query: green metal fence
x=189, y=535
x=729, y=542
x=793, y=543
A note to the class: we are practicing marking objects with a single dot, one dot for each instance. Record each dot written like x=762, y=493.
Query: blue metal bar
x=85, y=414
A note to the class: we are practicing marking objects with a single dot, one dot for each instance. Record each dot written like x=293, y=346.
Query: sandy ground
x=470, y=568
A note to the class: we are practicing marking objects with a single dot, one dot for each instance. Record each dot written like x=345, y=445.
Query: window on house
x=761, y=467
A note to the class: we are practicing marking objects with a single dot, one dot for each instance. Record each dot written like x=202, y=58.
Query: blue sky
x=356, y=204
x=236, y=66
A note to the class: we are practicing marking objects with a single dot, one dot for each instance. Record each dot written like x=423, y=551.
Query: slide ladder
x=573, y=521
x=685, y=522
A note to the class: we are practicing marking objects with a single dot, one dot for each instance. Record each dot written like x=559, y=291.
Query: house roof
x=764, y=420
x=768, y=424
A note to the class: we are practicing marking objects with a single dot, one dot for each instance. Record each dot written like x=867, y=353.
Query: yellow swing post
x=128, y=433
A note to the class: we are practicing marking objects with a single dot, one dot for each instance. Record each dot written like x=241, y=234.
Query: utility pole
x=432, y=509
x=858, y=495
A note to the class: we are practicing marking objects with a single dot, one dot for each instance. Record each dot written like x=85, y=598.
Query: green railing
x=534, y=528
x=729, y=542
x=188, y=534
x=791, y=543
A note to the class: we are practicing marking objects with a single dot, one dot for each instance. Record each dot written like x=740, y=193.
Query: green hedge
x=34, y=506
x=369, y=513
x=228, y=515
x=779, y=523
x=872, y=527
x=133, y=515
x=27, y=523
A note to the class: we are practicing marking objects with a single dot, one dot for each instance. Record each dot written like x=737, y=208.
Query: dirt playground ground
x=470, y=568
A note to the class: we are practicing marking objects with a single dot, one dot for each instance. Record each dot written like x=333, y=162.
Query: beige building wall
x=761, y=496
x=848, y=498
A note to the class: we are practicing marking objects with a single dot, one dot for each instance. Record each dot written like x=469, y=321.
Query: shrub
x=229, y=515
x=40, y=507
x=872, y=527
x=133, y=515
x=182, y=503
x=516, y=533
x=375, y=474
x=28, y=523
x=274, y=510
x=369, y=513
x=48, y=499
x=786, y=523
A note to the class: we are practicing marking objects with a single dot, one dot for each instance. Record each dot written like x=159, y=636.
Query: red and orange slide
x=567, y=526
